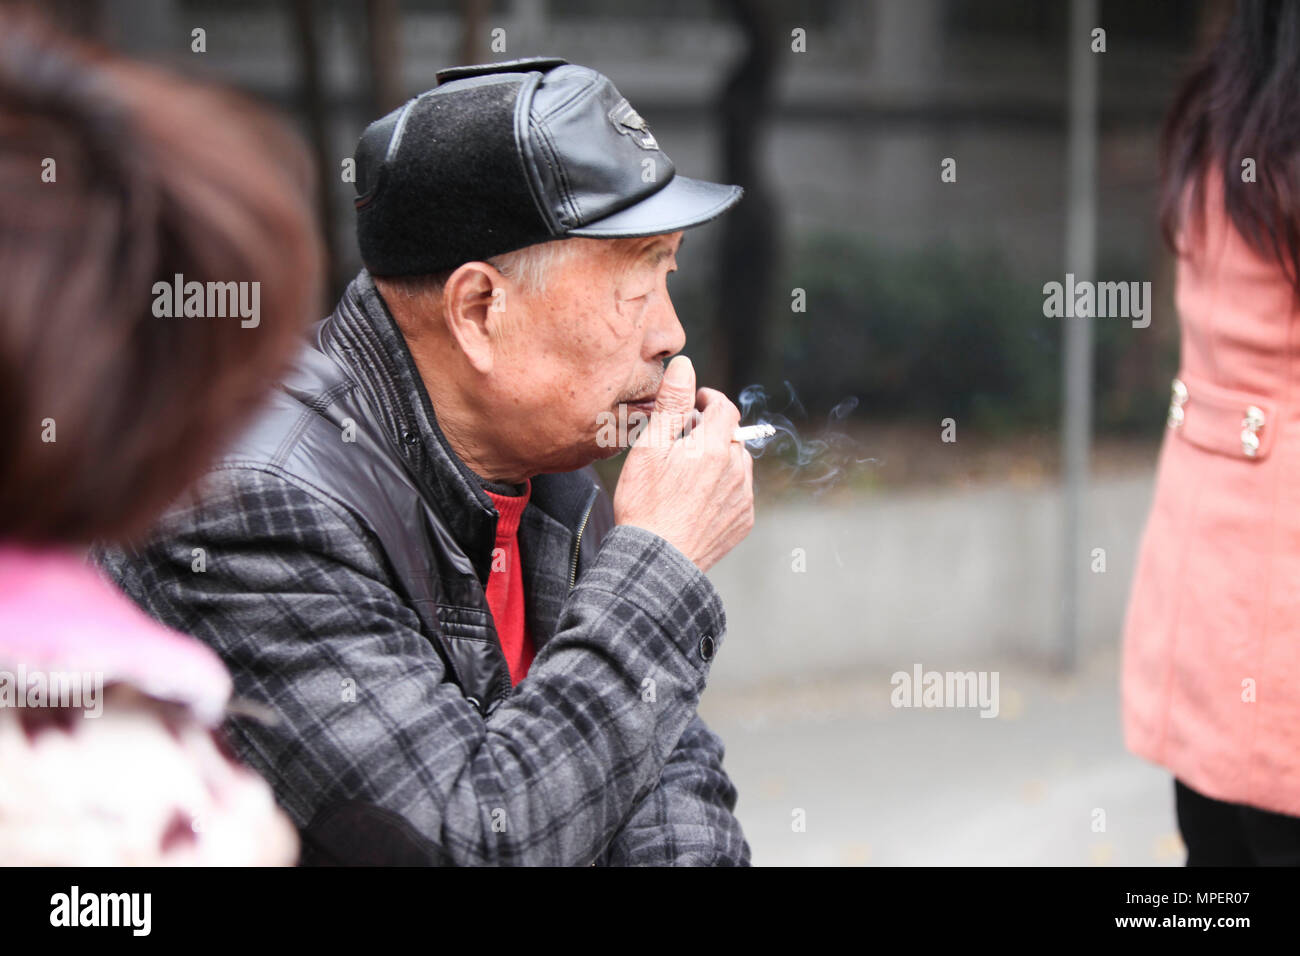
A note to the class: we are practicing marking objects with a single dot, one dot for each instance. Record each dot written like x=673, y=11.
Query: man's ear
x=467, y=297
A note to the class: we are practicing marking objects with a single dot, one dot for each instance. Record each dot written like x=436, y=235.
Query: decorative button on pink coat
x=1211, y=672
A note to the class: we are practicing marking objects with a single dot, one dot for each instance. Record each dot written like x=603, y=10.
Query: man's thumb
x=677, y=390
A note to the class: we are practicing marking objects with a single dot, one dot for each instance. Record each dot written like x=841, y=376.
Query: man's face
x=596, y=339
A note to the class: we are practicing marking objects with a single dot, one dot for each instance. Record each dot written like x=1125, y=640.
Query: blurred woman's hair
x=115, y=176
x=1241, y=101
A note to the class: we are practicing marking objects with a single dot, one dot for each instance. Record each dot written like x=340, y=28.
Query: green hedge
x=944, y=332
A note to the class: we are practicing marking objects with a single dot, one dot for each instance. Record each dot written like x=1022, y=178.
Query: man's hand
x=696, y=492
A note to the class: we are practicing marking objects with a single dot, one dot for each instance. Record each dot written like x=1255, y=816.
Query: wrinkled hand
x=697, y=492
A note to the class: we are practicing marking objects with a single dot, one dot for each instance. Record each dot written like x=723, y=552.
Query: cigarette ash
x=817, y=463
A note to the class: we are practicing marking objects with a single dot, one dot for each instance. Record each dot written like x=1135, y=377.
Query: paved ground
x=886, y=786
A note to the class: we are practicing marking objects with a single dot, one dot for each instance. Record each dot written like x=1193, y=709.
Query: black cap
x=504, y=155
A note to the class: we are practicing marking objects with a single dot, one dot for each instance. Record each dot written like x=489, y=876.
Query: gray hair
x=531, y=266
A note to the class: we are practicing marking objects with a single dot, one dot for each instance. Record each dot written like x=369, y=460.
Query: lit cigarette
x=753, y=432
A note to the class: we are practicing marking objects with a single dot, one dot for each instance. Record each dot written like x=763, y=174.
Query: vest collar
x=364, y=338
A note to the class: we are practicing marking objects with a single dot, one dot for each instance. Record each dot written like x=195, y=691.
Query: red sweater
x=505, y=588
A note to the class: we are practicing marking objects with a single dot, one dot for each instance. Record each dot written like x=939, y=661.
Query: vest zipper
x=577, y=542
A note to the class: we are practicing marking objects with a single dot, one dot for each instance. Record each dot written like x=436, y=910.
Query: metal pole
x=1080, y=259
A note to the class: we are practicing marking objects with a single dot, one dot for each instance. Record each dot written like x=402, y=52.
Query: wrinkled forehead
x=649, y=250
x=597, y=267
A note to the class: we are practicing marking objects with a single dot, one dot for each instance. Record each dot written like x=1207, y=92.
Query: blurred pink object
x=57, y=612
x=1211, y=673
x=135, y=773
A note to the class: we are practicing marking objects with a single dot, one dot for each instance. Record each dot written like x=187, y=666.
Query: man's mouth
x=642, y=403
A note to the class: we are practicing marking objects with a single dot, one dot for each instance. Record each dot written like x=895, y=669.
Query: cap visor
x=683, y=203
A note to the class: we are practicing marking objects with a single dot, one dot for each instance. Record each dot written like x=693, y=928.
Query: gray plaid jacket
x=336, y=560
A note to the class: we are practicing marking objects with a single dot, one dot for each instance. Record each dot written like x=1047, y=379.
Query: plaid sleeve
x=687, y=819
x=376, y=755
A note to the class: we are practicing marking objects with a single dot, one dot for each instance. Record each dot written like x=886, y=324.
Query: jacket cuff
x=646, y=570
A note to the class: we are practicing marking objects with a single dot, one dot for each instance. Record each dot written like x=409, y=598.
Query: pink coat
x=1211, y=672
x=127, y=770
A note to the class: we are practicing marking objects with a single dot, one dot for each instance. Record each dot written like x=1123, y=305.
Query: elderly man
x=413, y=525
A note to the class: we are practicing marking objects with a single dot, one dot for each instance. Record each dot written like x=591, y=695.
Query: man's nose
x=665, y=336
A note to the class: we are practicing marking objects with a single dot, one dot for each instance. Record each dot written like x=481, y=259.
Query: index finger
x=719, y=416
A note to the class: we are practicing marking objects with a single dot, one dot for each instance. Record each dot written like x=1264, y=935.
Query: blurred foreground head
x=115, y=176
